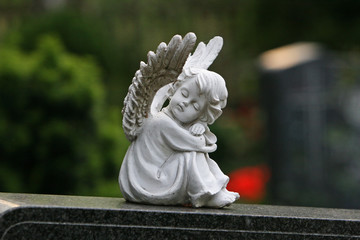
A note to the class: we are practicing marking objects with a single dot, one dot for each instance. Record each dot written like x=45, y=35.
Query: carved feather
x=205, y=55
x=181, y=56
x=162, y=67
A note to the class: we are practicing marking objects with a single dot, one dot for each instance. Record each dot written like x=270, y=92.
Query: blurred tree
x=114, y=36
x=55, y=135
x=85, y=36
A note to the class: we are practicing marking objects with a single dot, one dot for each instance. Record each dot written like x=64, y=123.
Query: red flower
x=250, y=182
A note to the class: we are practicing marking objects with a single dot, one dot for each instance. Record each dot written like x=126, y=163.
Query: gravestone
x=29, y=216
x=312, y=148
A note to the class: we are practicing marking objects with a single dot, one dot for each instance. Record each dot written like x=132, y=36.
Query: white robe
x=165, y=165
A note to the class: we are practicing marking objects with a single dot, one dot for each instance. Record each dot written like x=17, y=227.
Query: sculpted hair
x=212, y=85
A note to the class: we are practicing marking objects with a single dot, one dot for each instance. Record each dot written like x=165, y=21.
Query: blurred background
x=291, y=131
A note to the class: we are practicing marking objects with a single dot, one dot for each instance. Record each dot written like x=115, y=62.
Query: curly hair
x=212, y=85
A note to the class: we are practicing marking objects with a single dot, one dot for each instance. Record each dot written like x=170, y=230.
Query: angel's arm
x=180, y=139
x=209, y=136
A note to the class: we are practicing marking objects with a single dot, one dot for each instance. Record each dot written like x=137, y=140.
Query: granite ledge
x=32, y=216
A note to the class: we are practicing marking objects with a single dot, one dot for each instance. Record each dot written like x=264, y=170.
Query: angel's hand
x=197, y=129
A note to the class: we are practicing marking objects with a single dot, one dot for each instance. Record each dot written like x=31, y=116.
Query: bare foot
x=235, y=194
x=222, y=199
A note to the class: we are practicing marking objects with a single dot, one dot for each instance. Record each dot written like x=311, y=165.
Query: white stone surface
x=167, y=162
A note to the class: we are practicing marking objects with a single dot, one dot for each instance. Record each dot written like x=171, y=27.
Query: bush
x=56, y=136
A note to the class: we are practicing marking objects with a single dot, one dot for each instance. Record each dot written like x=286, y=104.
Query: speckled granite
x=28, y=216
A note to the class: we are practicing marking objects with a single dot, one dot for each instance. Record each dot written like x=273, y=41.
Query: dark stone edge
x=179, y=221
x=98, y=231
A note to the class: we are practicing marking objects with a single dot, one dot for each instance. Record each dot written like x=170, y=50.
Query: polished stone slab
x=30, y=216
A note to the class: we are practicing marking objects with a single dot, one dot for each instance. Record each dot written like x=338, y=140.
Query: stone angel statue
x=168, y=160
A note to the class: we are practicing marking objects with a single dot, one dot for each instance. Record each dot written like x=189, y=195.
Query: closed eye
x=196, y=106
x=185, y=92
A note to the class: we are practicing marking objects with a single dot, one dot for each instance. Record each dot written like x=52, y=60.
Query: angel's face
x=187, y=104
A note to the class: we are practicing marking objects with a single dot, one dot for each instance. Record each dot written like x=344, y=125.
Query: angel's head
x=198, y=95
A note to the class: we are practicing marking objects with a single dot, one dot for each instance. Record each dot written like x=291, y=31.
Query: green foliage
x=54, y=131
x=60, y=96
x=83, y=35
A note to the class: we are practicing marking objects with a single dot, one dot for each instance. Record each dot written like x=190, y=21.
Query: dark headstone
x=313, y=151
x=26, y=216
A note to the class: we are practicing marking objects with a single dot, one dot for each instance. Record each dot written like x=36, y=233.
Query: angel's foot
x=235, y=194
x=222, y=199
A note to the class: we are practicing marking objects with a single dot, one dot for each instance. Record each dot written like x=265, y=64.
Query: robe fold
x=167, y=165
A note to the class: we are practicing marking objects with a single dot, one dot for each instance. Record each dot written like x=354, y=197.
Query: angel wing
x=204, y=55
x=163, y=67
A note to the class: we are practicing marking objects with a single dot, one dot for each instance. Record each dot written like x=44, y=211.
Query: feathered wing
x=204, y=55
x=162, y=68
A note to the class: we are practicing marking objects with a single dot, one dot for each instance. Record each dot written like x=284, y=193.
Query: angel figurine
x=168, y=160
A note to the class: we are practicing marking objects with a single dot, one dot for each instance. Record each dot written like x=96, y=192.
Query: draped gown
x=167, y=165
